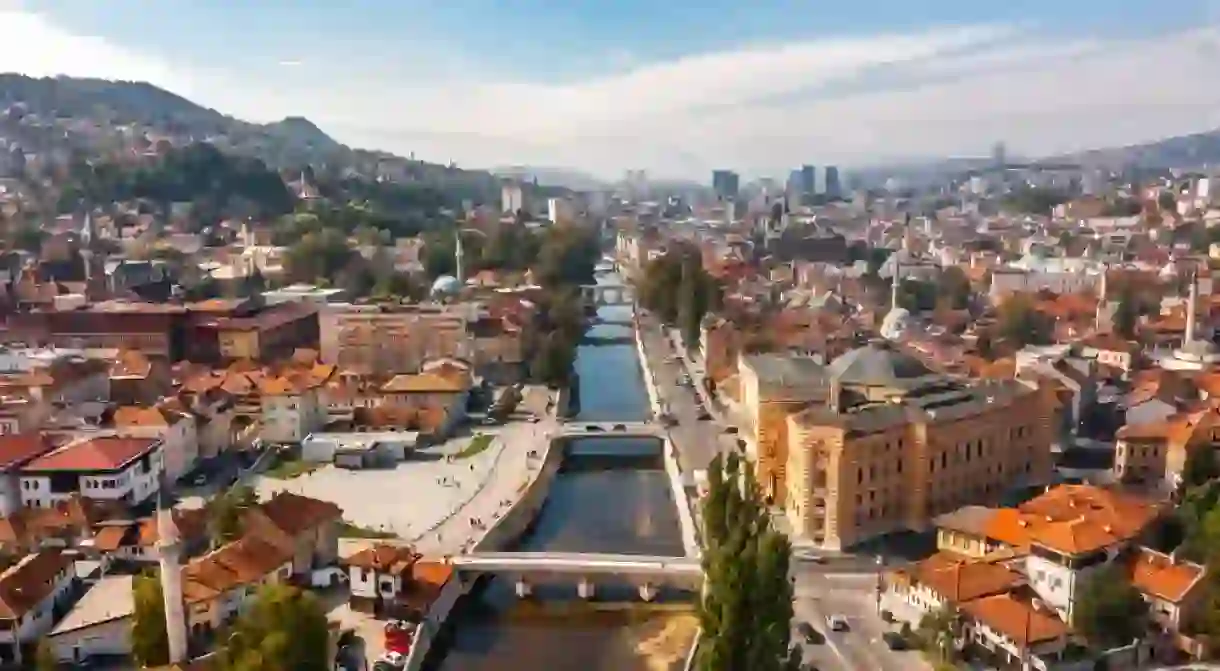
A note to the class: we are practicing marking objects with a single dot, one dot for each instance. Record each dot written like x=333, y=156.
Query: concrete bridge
x=648, y=573
x=611, y=430
x=608, y=294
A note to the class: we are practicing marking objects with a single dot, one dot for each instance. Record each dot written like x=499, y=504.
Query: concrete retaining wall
x=686, y=518
x=431, y=626
x=517, y=519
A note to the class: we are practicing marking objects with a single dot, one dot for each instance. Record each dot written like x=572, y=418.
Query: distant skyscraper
x=834, y=189
x=999, y=155
x=726, y=184
x=809, y=180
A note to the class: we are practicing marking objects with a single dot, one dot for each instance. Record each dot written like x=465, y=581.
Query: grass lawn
x=349, y=530
x=477, y=444
x=286, y=468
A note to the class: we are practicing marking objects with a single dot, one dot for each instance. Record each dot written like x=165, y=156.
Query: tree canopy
x=746, y=611
x=677, y=288
x=1110, y=611
x=149, y=641
x=1021, y=323
x=284, y=629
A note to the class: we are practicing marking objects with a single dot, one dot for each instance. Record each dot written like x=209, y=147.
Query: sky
x=677, y=87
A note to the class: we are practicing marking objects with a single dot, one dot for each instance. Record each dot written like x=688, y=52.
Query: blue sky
x=677, y=86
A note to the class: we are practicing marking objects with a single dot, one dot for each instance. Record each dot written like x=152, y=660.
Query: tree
x=1201, y=466
x=1126, y=315
x=226, y=512
x=45, y=659
x=1110, y=611
x=746, y=611
x=285, y=628
x=149, y=641
x=940, y=630
x=1021, y=323
x=953, y=286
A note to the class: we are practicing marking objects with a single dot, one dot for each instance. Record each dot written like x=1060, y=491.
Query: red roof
x=97, y=454
x=18, y=448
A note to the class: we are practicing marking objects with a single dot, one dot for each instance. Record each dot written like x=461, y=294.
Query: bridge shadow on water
x=492, y=629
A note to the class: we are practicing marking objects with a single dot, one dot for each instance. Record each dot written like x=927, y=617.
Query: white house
x=43, y=580
x=291, y=407
x=176, y=429
x=98, y=625
x=17, y=450
x=113, y=468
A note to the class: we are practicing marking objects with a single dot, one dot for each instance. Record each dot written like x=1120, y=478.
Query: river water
x=613, y=504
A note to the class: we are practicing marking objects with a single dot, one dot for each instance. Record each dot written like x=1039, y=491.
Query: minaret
x=169, y=551
x=458, y=253
x=894, y=285
x=1101, y=300
x=1191, y=301
x=85, y=238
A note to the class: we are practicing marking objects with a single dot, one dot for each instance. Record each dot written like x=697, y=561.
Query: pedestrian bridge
x=648, y=573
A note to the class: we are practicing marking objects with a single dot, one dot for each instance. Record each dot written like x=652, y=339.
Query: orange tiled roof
x=106, y=453
x=1016, y=618
x=26, y=584
x=1075, y=519
x=1164, y=576
x=386, y=558
x=424, y=383
x=956, y=579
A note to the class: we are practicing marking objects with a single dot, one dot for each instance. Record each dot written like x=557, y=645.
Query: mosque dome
x=446, y=285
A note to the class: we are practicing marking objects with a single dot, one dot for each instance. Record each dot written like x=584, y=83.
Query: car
x=837, y=623
x=620, y=427
x=887, y=617
x=894, y=640
x=200, y=480
x=807, y=632
x=730, y=429
x=704, y=415
x=593, y=428
x=534, y=420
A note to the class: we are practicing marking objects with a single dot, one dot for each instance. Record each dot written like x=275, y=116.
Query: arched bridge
x=608, y=294
x=649, y=573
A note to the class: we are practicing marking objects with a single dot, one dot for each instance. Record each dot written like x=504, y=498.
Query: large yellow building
x=894, y=445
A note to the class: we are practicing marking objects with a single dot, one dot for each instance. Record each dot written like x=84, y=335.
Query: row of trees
x=746, y=611
x=950, y=289
x=677, y=288
x=284, y=628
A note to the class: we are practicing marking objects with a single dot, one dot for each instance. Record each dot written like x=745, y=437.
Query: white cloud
x=759, y=109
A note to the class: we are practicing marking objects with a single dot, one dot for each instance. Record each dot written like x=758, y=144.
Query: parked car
x=704, y=415
x=837, y=623
x=807, y=632
x=894, y=640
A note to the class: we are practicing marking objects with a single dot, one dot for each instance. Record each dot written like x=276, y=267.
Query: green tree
x=285, y=628
x=953, y=286
x=939, y=631
x=746, y=611
x=45, y=659
x=1020, y=322
x=1201, y=466
x=1126, y=315
x=226, y=512
x=322, y=254
x=1110, y=611
x=149, y=642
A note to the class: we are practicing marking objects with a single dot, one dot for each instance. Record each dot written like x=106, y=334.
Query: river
x=597, y=504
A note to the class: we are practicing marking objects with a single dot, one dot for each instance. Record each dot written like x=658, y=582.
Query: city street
x=852, y=596
x=697, y=440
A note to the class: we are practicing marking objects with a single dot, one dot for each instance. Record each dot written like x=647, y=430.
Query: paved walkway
x=428, y=500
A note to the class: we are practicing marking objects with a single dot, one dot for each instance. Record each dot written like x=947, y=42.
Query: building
x=441, y=392
x=560, y=210
x=512, y=198
x=108, y=468
x=726, y=184
x=270, y=334
x=834, y=187
x=175, y=428
x=16, y=451
x=306, y=293
x=394, y=581
x=808, y=180
x=292, y=404
x=99, y=625
x=31, y=591
x=884, y=444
